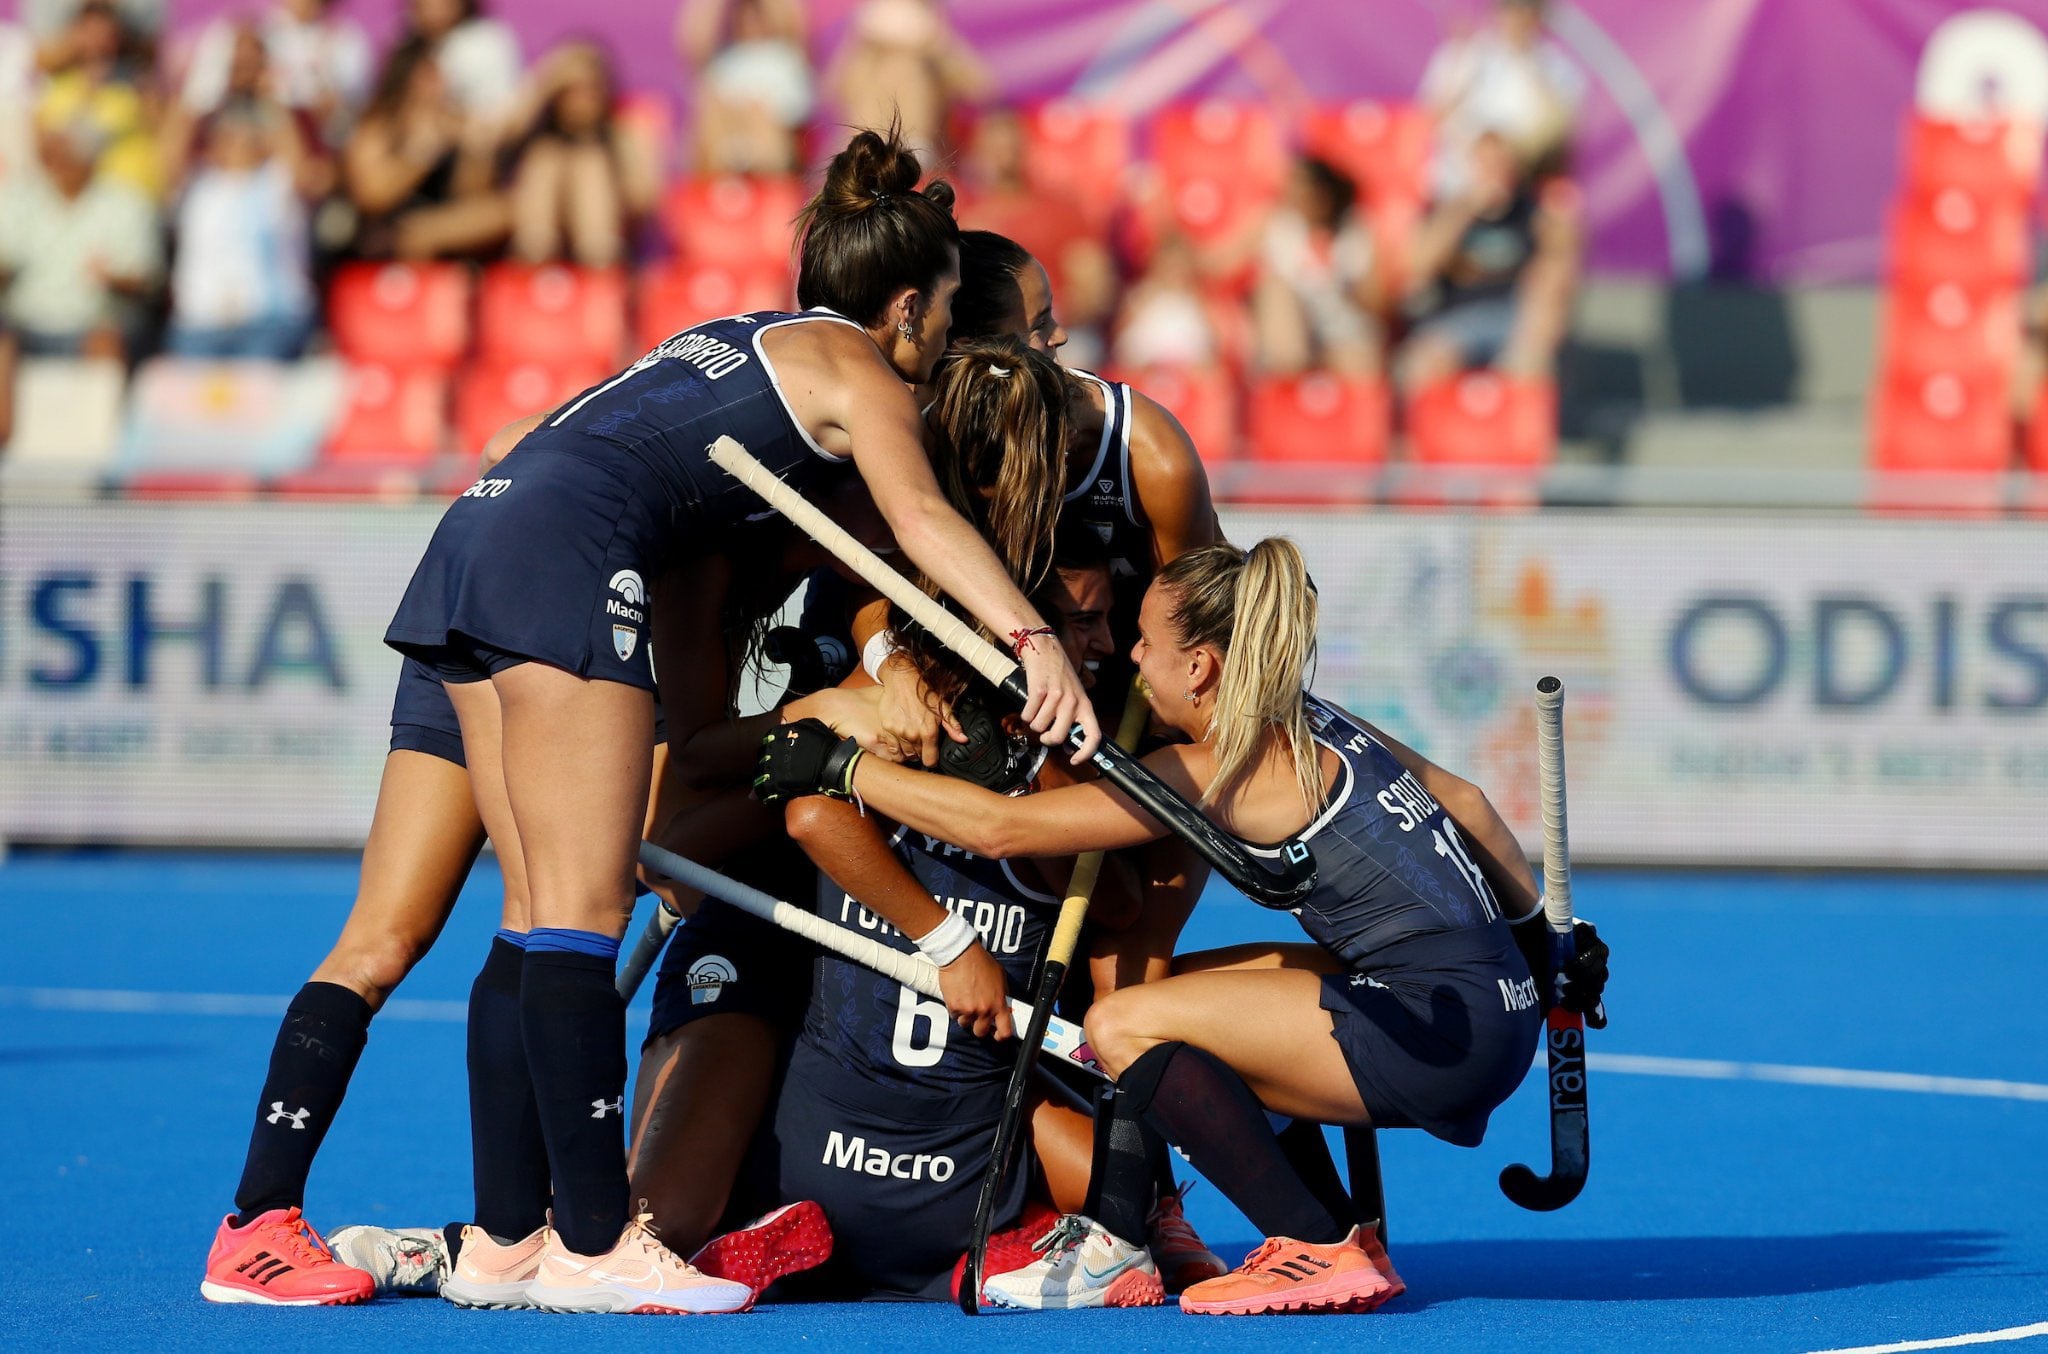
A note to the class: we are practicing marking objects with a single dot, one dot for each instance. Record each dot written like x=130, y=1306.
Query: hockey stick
x=1279, y=881
x=1066, y=936
x=1570, y=1143
x=1061, y=1038
x=647, y=949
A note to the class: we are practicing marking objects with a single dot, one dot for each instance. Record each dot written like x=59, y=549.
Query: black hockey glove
x=992, y=757
x=1584, y=978
x=805, y=758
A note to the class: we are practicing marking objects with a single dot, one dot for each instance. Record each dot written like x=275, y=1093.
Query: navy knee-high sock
x=1121, y=1180
x=508, y=1156
x=575, y=1026
x=317, y=1046
x=1194, y=1098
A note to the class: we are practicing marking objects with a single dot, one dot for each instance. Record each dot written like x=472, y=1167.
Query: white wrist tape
x=876, y=652
x=947, y=941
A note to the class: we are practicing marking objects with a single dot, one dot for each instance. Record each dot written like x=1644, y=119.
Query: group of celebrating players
x=798, y=1120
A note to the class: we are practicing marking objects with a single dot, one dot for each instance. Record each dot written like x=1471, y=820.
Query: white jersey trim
x=1335, y=802
x=775, y=379
x=1109, y=416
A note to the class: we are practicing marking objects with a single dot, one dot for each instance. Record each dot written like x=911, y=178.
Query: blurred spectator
x=1315, y=302
x=996, y=195
x=99, y=71
x=753, y=83
x=321, y=64
x=47, y=19
x=240, y=285
x=1507, y=77
x=479, y=57
x=80, y=252
x=17, y=99
x=581, y=181
x=423, y=176
x=1165, y=321
x=904, y=60
x=1496, y=268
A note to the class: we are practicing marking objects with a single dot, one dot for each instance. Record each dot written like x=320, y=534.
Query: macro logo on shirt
x=707, y=978
x=853, y=1153
x=630, y=606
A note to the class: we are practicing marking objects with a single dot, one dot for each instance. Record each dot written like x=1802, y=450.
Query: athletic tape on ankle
x=947, y=941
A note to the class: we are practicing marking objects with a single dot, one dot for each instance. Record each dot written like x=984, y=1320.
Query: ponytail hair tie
x=879, y=196
x=995, y=370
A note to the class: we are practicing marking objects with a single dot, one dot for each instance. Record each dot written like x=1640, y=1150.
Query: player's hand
x=1058, y=700
x=805, y=758
x=1585, y=977
x=912, y=715
x=976, y=994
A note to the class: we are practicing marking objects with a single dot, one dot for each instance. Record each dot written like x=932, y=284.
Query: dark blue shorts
x=422, y=717
x=1437, y=1048
x=898, y=1176
x=546, y=558
x=723, y=961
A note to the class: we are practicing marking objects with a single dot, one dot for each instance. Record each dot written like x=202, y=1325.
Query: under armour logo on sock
x=278, y=1114
x=600, y=1108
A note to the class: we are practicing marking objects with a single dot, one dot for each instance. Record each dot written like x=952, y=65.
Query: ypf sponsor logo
x=854, y=1154
x=707, y=979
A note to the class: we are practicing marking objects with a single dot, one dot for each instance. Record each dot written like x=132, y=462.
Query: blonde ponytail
x=1259, y=608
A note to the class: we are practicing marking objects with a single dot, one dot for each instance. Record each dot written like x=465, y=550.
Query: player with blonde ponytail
x=1412, y=1006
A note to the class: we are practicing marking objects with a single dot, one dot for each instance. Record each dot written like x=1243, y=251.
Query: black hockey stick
x=1565, y=1030
x=1066, y=937
x=1280, y=878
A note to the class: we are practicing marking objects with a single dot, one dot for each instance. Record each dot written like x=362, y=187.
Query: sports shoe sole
x=1362, y=1291
x=495, y=1297
x=619, y=1301
x=792, y=1239
x=1132, y=1288
x=220, y=1292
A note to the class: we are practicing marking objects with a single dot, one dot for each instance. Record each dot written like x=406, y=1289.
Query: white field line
x=1983, y=1337
x=114, y=1001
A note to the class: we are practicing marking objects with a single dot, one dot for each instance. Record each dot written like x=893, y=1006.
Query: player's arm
x=1172, y=484
x=848, y=846
x=856, y=401
x=1495, y=850
x=500, y=443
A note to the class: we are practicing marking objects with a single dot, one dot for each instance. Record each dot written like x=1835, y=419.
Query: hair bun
x=873, y=166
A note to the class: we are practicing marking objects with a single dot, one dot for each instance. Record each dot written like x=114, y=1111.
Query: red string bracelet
x=1020, y=640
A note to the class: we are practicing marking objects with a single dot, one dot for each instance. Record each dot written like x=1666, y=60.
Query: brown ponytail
x=870, y=232
x=1259, y=608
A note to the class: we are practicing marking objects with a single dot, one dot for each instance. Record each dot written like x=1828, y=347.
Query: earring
x=903, y=328
x=1188, y=696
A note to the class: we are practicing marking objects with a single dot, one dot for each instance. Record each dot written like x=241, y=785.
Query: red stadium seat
x=1080, y=151
x=552, y=313
x=407, y=314
x=1384, y=147
x=1946, y=326
x=394, y=479
x=676, y=295
x=1204, y=399
x=2037, y=439
x=392, y=414
x=1991, y=158
x=1942, y=421
x=733, y=220
x=494, y=393
x=1236, y=144
x=1484, y=419
x=1953, y=235
x=180, y=484
x=1322, y=418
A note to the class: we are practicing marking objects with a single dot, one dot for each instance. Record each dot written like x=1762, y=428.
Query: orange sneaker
x=638, y=1274
x=276, y=1258
x=1285, y=1275
x=491, y=1273
x=1184, y=1259
x=1369, y=1237
x=792, y=1239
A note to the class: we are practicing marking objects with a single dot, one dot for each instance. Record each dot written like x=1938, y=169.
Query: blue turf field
x=1727, y=1209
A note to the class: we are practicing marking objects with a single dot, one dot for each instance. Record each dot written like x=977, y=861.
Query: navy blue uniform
x=1437, y=1014
x=722, y=961
x=1106, y=500
x=888, y=1112
x=422, y=717
x=550, y=555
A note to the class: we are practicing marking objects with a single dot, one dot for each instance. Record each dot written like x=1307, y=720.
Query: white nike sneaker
x=638, y=1274
x=1079, y=1265
x=403, y=1260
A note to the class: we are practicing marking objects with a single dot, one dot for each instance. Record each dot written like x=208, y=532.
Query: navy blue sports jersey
x=655, y=419
x=893, y=1037
x=1390, y=865
x=1106, y=501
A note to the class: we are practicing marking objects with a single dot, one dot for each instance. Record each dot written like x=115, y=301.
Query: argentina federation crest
x=624, y=639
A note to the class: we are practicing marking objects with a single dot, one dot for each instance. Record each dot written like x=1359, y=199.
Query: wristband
x=947, y=941
x=1535, y=911
x=876, y=652
x=1020, y=640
